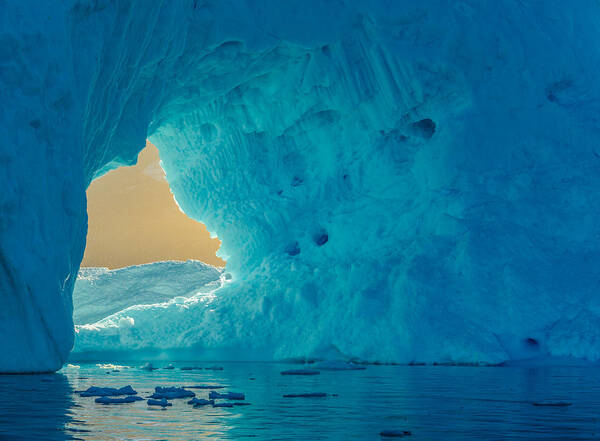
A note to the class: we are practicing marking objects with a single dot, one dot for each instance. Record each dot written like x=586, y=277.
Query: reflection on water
x=435, y=403
x=36, y=407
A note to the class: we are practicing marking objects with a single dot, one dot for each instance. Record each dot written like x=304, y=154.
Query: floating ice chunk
x=214, y=368
x=225, y=404
x=163, y=402
x=191, y=368
x=109, y=400
x=171, y=393
x=208, y=386
x=94, y=391
x=395, y=433
x=226, y=396
x=197, y=402
x=338, y=365
x=148, y=367
x=306, y=395
x=301, y=372
x=72, y=366
x=170, y=366
x=551, y=403
x=110, y=366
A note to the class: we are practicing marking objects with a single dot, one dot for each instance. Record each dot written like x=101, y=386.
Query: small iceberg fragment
x=306, y=395
x=395, y=433
x=110, y=366
x=208, y=386
x=225, y=404
x=300, y=372
x=163, y=402
x=72, y=366
x=226, y=396
x=239, y=403
x=550, y=403
x=199, y=402
x=338, y=365
x=171, y=393
x=191, y=368
x=214, y=368
x=170, y=366
x=94, y=391
x=148, y=367
x=109, y=400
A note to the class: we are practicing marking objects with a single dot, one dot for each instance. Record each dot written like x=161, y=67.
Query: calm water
x=435, y=403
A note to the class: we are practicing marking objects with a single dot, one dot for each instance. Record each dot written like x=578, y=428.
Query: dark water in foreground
x=434, y=403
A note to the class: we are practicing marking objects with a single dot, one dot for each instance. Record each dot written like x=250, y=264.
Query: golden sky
x=134, y=219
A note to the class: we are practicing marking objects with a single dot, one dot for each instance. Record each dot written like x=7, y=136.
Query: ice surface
x=95, y=391
x=162, y=402
x=394, y=181
x=125, y=400
x=100, y=292
x=213, y=395
x=223, y=404
x=395, y=433
x=171, y=393
x=337, y=365
x=198, y=402
x=148, y=367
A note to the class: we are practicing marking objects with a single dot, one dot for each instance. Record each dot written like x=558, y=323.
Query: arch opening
x=141, y=248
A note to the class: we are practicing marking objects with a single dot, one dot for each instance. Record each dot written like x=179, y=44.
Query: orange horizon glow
x=134, y=219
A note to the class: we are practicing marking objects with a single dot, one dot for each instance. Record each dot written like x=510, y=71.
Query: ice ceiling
x=391, y=180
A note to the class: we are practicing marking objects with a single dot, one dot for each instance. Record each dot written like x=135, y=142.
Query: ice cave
x=392, y=181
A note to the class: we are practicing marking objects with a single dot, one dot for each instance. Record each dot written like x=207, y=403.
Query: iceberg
x=392, y=181
x=100, y=292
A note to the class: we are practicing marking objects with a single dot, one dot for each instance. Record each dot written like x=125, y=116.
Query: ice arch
x=419, y=180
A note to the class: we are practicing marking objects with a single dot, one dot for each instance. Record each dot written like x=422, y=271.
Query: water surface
x=434, y=403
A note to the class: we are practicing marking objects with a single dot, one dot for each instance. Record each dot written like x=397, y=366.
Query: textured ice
x=125, y=400
x=199, y=402
x=148, y=367
x=100, y=292
x=213, y=395
x=162, y=402
x=391, y=180
x=95, y=391
x=171, y=393
x=337, y=365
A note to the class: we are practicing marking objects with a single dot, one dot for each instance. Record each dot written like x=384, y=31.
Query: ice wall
x=391, y=180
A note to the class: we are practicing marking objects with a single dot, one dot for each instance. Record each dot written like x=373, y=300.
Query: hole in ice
x=141, y=248
x=532, y=342
x=424, y=128
x=321, y=237
x=133, y=218
x=296, y=181
x=293, y=248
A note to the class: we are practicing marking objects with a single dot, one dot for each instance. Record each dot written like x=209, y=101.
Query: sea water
x=432, y=402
